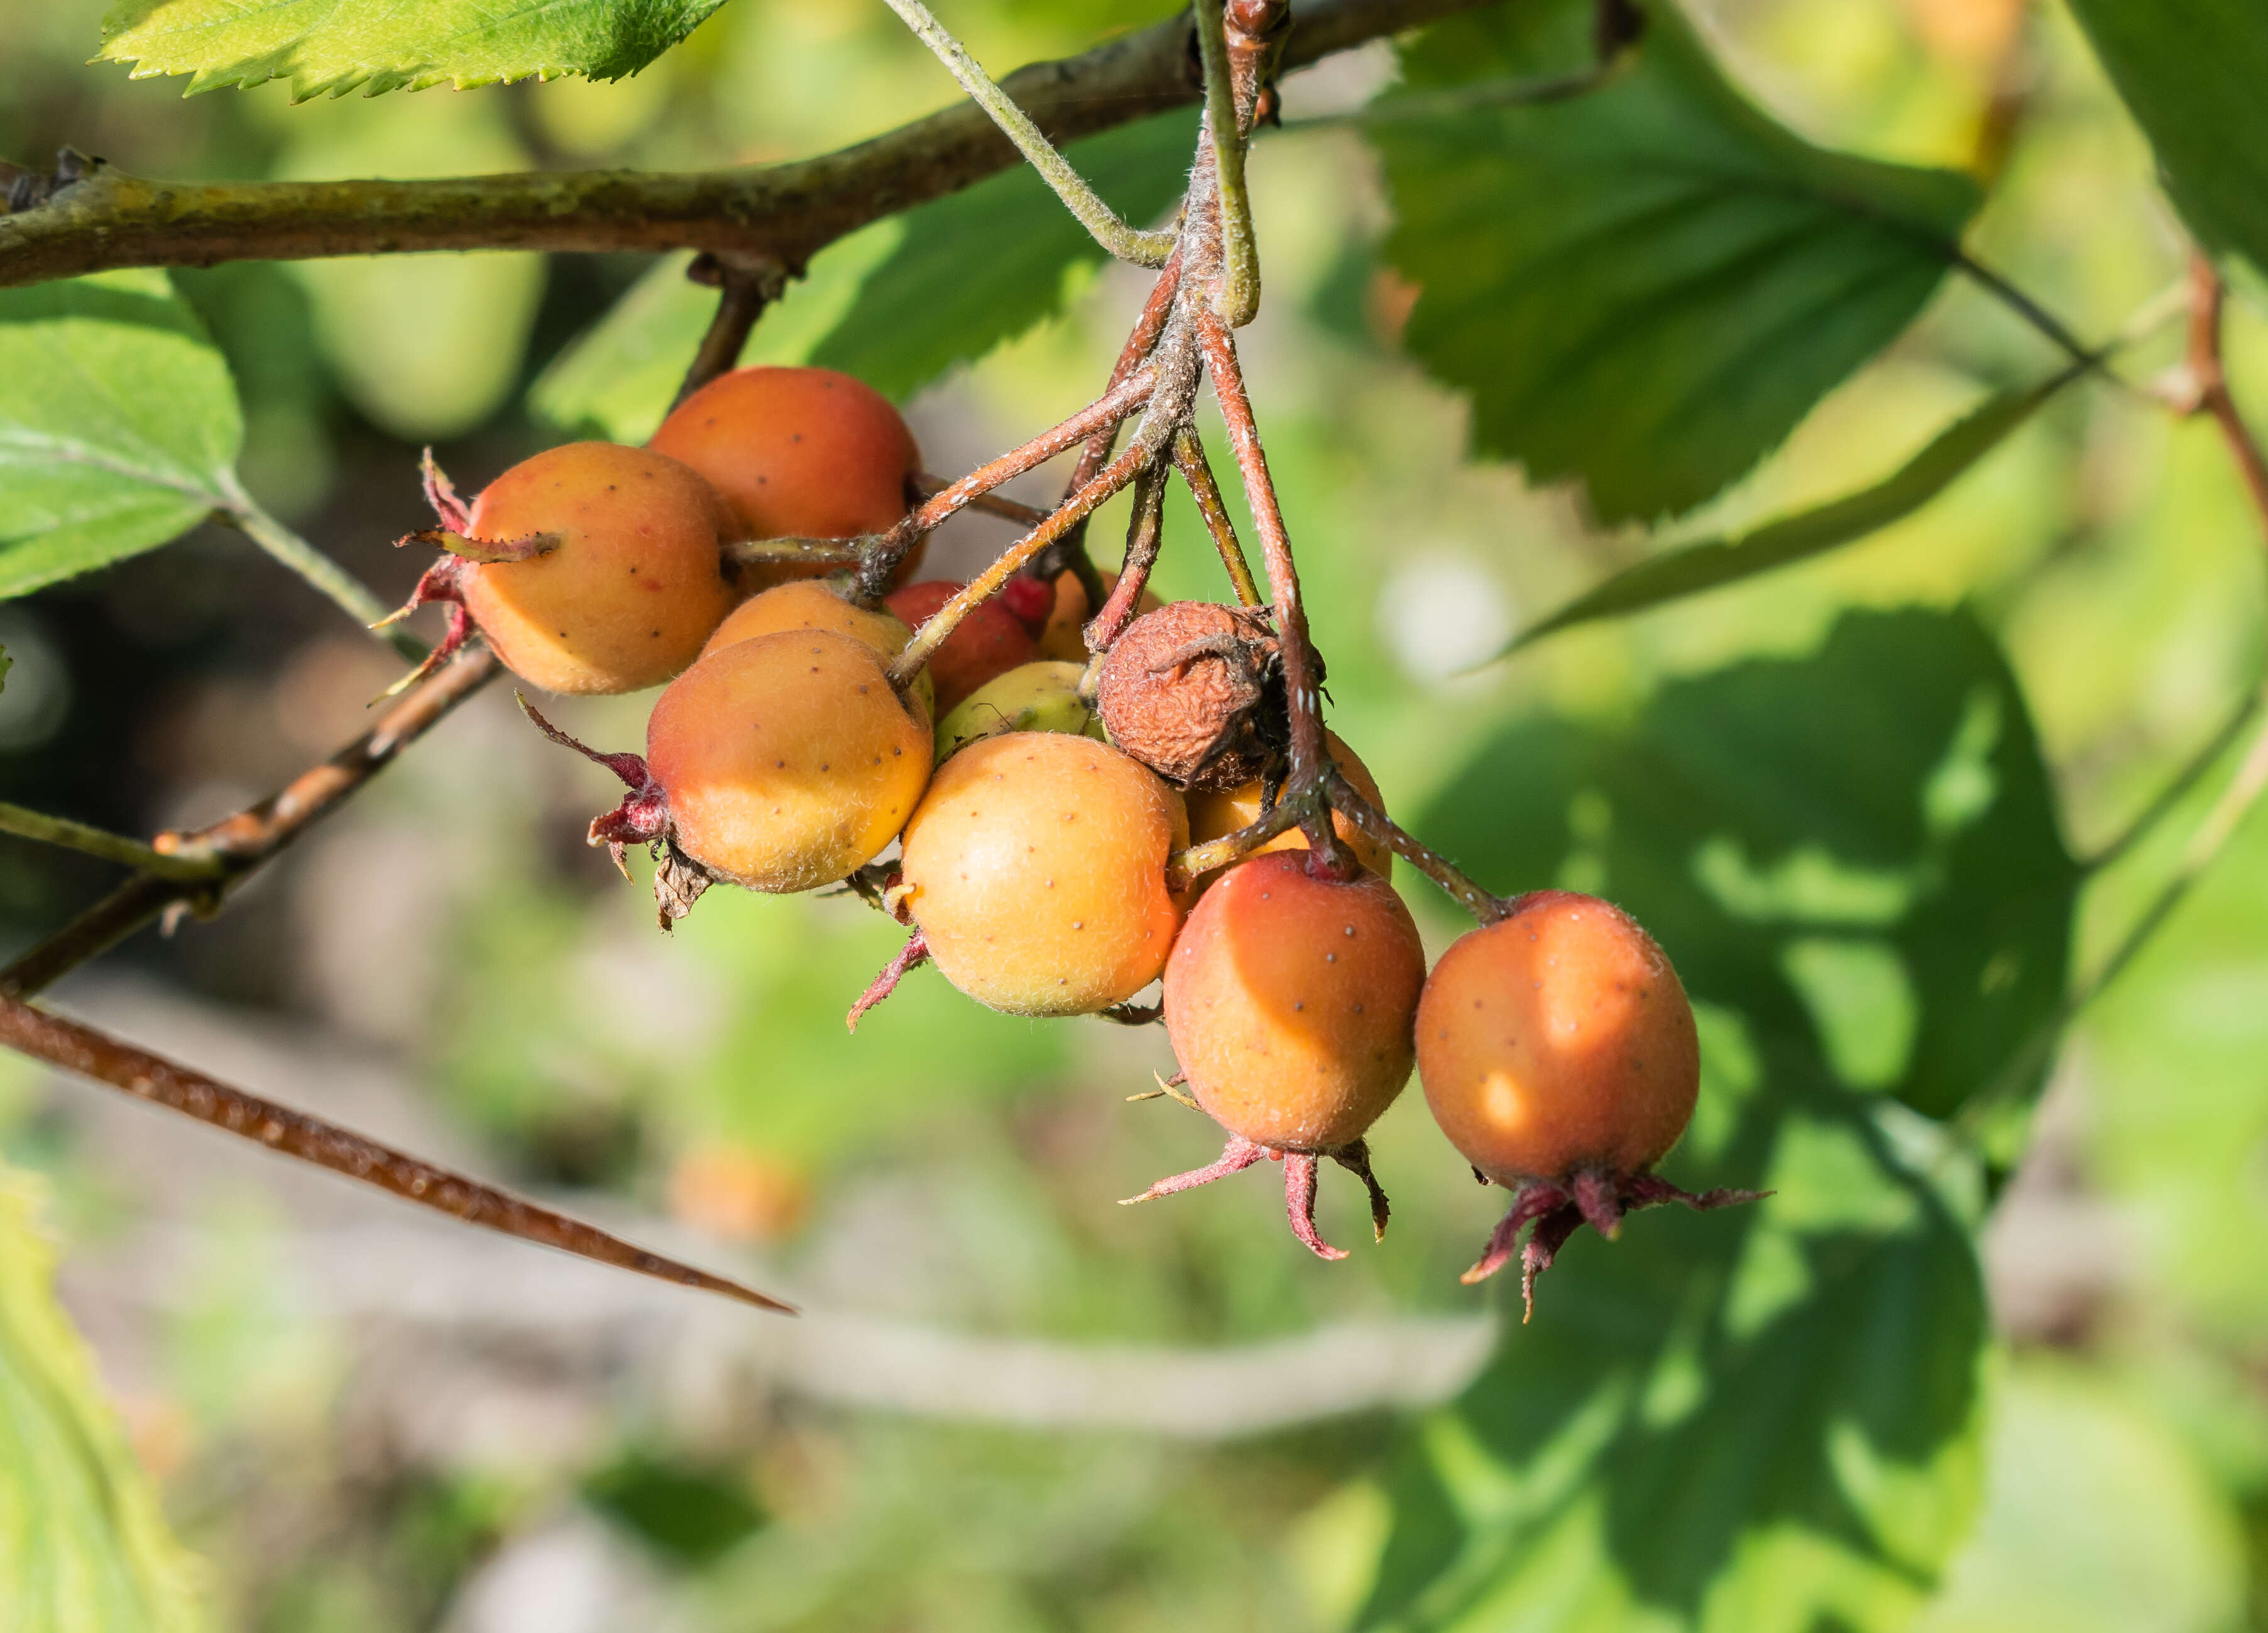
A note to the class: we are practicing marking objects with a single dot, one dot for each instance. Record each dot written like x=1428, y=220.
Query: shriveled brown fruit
x=1195, y=691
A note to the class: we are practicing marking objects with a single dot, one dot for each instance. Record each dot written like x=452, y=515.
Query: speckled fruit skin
x=986, y=644
x=634, y=586
x=1062, y=637
x=1290, y=1000
x=1215, y=814
x=1556, y=1040
x=787, y=760
x=810, y=604
x=1035, y=868
x=797, y=453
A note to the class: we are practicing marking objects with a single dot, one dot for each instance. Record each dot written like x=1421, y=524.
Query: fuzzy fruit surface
x=797, y=452
x=988, y=643
x=787, y=760
x=1062, y=637
x=1031, y=697
x=1559, y=1040
x=814, y=604
x=1035, y=868
x=634, y=586
x=1290, y=1000
x=1194, y=691
x=1216, y=813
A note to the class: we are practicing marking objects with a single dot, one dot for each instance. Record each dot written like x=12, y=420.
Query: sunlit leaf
x=1768, y=1417
x=1711, y=564
x=84, y=1547
x=898, y=304
x=390, y=45
x=1647, y=286
x=2191, y=72
x=118, y=424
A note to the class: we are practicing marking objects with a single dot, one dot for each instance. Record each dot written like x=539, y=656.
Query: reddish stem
x=106, y=1059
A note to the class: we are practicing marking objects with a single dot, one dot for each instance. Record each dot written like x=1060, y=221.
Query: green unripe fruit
x=1032, y=696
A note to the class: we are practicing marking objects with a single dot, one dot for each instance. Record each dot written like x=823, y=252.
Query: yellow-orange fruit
x=634, y=585
x=1061, y=636
x=1289, y=1000
x=1035, y=868
x=787, y=761
x=797, y=453
x=812, y=604
x=1559, y=1040
x=1216, y=813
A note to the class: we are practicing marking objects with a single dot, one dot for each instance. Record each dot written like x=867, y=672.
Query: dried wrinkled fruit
x=1195, y=691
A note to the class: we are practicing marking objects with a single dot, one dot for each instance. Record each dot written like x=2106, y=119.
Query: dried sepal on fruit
x=1558, y=1054
x=587, y=568
x=1195, y=691
x=780, y=763
x=1289, y=999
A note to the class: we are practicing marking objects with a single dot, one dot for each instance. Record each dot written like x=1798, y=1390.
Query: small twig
x=1102, y=223
x=1141, y=341
x=1144, y=532
x=1236, y=291
x=326, y=576
x=2168, y=798
x=801, y=552
x=742, y=294
x=1197, y=474
x=928, y=487
x=2024, y=306
x=25, y=823
x=1485, y=905
x=1185, y=866
x=238, y=845
x=2209, y=378
x=106, y=1059
x=1114, y=405
x=986, y=585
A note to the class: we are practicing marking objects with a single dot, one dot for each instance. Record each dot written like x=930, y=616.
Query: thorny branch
x=92, y=215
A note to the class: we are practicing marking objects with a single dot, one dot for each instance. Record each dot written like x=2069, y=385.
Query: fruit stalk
x=1197, y=474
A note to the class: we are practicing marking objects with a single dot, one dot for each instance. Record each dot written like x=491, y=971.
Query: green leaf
x=2191, y=72
x=1711, y=564
x=1645, y=287
x=898, y=305
x=390, y=45
x=118, y=424
x=1768, y=1417
x=83, y=1547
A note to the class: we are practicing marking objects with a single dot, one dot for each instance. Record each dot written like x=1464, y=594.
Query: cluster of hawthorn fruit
x=1043, y=798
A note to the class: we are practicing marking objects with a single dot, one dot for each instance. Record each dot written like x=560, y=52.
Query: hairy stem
x=1144, y=532
x=327, y=577
x=1141, y=341
x=1102, y=223
x=103, y=1058
x=1236, y=293
x=1112, y=406
x=1197, y=474
x=1482, y=905
x=940, y=625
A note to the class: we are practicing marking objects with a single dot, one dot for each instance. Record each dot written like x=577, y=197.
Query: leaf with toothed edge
x=1648, y=286
x=119, y=425
x=1770, y=1416
x=337, y=46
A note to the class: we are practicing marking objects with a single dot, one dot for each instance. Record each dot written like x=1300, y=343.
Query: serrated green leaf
x=898, y=304
x=336, y=45
x=1766, y=1418
x=2191, y=72
x=1711, y=564
x=83, y=1547
x=119, y=425
x=1645, y=287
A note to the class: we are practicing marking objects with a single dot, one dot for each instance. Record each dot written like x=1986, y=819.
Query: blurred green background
x=2011, y=1383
